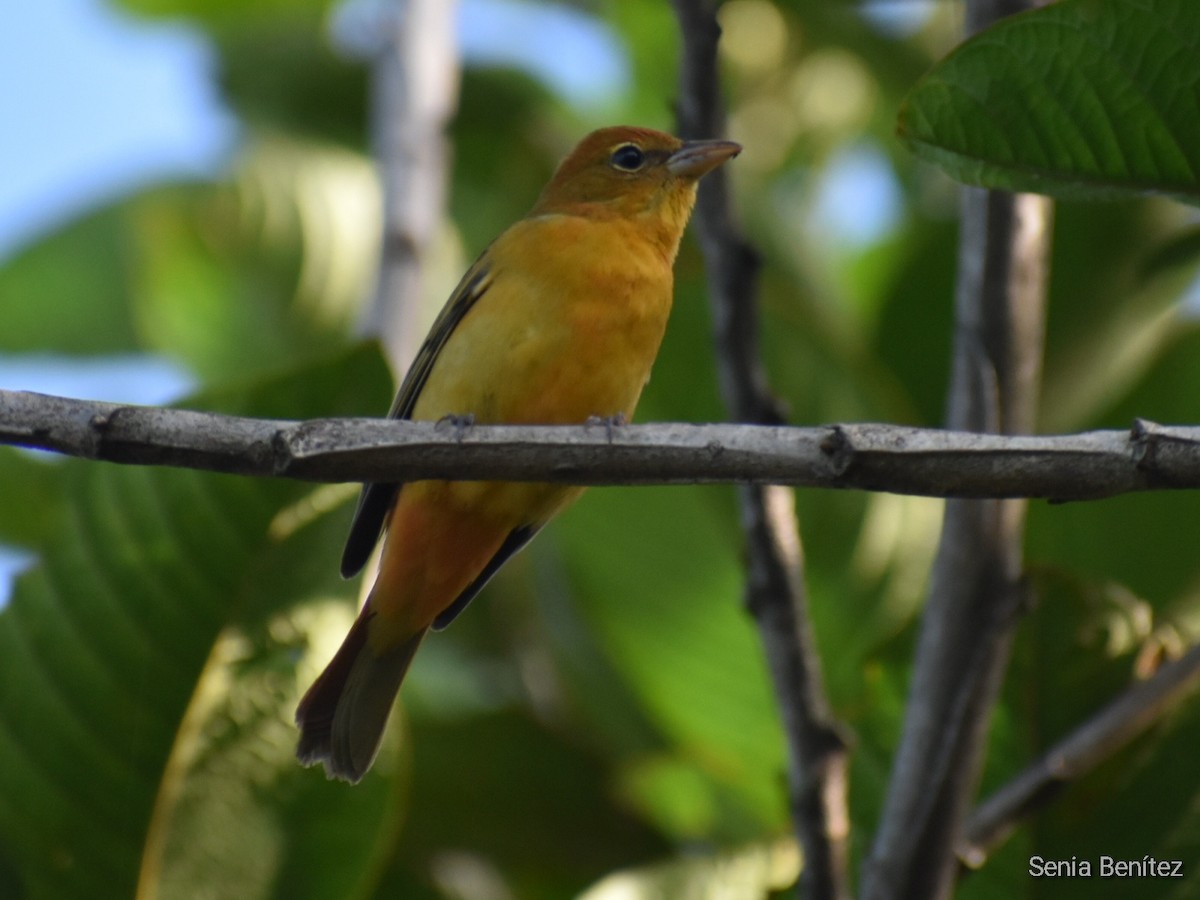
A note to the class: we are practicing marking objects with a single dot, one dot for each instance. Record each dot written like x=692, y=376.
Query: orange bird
x=557, y=322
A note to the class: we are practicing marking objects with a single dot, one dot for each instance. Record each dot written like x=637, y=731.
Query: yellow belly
x=552, y=344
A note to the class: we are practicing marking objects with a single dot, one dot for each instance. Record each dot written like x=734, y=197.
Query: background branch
x=414, y=92
x=976, y=590
x=775, y=592
x=1119, y=722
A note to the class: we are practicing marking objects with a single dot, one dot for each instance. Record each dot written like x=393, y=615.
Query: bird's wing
x=377, y=499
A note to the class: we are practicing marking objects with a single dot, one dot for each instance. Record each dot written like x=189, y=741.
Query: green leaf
x=285, y=75
x=1085, y=98
x=665, y=601
x=755, y=870
x=149, y=679
x=1113, y=315
x=1182, y=250
x=1096, y=539
x=515, y=798
x=279, y=66
x=215, y=13
x=250, y=258
x=83, y=274
x=33, y=496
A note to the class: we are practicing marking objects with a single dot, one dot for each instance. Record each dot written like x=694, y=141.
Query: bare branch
x=1124, y=718
x=775, y=592
x=976, y=588
x=414, y=87
x=921, y=461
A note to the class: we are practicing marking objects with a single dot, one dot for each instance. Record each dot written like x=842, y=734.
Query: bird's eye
x=628, y=158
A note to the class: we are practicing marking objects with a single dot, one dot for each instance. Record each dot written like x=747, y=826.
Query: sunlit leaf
x=264, y=271
x=747, y=873
x=218, y=12
x=666, y=603
x=151, y=574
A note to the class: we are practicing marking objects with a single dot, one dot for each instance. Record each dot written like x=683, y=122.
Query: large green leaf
x=82, y=273
x=217, y=13
x=665, y=602
x=149, y=681
x=1082, y=98
x=499, y=792
x=32, y=497
x=1112, y=314
x=745, y=873
x=279, y=67
x=286, y=75
x=282, y=252
x=1096, y=539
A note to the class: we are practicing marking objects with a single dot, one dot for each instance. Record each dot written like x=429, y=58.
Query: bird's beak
x=697, y=158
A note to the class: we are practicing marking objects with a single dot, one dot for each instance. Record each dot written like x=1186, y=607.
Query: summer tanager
x=557, y=322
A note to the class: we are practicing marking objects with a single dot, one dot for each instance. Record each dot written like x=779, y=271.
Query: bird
x=558, y=321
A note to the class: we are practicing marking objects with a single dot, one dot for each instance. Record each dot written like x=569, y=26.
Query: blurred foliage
x=602, y=717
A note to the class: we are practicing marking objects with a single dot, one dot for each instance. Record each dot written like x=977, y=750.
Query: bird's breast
x=568, y=328
x=607, y=324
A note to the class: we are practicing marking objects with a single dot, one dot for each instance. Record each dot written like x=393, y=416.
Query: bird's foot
x=460, y=423
x=610, y=423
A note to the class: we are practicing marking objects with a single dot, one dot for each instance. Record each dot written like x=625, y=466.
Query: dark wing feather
x=517, y=538
x=376, y=499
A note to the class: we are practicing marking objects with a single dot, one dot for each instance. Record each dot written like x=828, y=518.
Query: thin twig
x=1119, y=722
x=920, y=461
x=775, y=593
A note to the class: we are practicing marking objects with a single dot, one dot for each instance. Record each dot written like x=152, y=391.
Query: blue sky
x=105, y=103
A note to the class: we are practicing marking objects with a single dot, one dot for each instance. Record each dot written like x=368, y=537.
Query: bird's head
x=633, y=173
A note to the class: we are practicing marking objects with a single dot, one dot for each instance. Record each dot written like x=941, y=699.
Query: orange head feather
x=633, y=173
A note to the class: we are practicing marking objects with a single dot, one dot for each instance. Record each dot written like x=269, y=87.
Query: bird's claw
x=460, y=423
x=610, y=423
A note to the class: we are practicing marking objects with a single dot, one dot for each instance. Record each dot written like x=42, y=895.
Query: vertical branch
x=414, y=94
x=976, y=589
x=775, y=594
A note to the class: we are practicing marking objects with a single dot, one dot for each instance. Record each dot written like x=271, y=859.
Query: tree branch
x=976, y=588
x=414, y=92
x=1124, y=718
x=921, y=461
x=775, y=591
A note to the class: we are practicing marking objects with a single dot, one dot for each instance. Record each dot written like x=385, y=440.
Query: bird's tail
x=342, y=716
